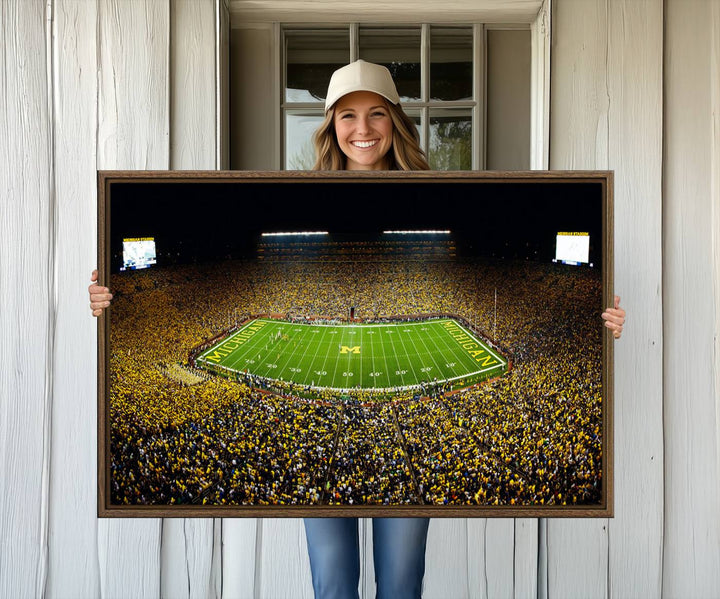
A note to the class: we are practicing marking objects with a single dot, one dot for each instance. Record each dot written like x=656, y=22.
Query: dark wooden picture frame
x=183, y=435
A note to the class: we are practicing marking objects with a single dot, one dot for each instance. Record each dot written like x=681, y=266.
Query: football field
x=389, y=357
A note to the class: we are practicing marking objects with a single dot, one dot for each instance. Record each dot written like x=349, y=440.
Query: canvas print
x=286, y=344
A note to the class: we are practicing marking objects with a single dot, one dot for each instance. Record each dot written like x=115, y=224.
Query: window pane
x=508, y=100
x=451, y=56
x=398, y=50
x=414, y=115
x=450, y=145
x=311, y=57
x=299, y=149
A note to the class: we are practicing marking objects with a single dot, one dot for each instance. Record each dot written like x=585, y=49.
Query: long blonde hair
x=404, y=155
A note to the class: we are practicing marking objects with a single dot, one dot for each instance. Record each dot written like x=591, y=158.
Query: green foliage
x=450, y=145
x=304, y=159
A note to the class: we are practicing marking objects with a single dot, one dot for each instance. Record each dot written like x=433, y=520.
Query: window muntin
x=439, y=71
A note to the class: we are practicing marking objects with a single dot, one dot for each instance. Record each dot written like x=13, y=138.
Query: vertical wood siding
x=26, y=311
x=73, y=551
x=282, y=566
x=526, y=559
x=239, y=557
x=189, y=567
x=635, y=535
x=607, y=113
x=193, y=85
x=715, y=205
x=577, y=550
x=692, y=399
x=133, y=131
x=118, y=84
x=452, y=551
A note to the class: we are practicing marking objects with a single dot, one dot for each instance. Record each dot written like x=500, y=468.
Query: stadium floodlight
x=294, y=233
x=418, y=232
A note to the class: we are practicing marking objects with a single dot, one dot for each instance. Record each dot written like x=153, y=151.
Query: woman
x=364, y=122
x=365, y=129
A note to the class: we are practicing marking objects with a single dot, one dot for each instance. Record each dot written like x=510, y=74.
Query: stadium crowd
x=533, y=436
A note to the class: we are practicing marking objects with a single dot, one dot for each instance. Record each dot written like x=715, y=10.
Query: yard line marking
x=411, y=363
x=244, y=333
x=334, y=379
x=387, y=371
x=472, y=339
x=318, y=345
x=372, y=360
x=362, y=362
x=425, y=350
x=499, y=365
x=350, y=367
x=419, y=377
x=432, y=356
x=246, y=345
x=462, y=361
x=291, y=362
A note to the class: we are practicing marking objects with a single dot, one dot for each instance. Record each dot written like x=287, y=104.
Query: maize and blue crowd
x=530, y=437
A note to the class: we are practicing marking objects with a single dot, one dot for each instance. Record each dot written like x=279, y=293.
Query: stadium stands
x=532, y=437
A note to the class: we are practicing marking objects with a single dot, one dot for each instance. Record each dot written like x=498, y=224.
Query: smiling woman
x=365, y=128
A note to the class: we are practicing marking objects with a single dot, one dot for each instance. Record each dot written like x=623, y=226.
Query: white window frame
x=539, y=88
x=476, y=106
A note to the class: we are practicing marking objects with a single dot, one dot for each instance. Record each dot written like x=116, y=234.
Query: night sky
x=213, y=220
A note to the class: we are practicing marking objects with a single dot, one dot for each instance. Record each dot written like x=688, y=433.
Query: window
x=434, y=67
x=468, y=88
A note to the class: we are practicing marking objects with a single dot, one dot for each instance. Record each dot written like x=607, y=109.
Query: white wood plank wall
x=133, y=133
x=189, y=566
x=73, y=527
x=119, y=84
x=606, y=112
x=691, y=202
x=577, y=550
x=27, y=315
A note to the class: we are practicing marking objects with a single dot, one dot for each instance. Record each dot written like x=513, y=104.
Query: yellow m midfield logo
x=353, y=350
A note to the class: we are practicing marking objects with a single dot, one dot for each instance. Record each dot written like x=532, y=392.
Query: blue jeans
x=398, y=552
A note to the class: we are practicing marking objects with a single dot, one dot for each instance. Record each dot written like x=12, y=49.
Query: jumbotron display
x=138, y=253
x=572, y=248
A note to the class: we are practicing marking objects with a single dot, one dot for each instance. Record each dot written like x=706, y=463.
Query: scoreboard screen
x=138, y=252
x=572, y=248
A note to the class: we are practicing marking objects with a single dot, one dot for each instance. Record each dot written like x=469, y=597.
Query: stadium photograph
x=288, y=345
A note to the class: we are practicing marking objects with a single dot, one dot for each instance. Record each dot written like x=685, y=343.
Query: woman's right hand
x=99, y=296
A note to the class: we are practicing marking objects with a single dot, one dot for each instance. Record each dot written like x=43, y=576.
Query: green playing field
x=387, y=357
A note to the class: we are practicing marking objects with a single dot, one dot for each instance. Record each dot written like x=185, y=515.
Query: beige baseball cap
x=361, y=76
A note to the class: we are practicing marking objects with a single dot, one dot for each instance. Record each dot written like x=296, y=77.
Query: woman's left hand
x=99, y=296
x=615, y=318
